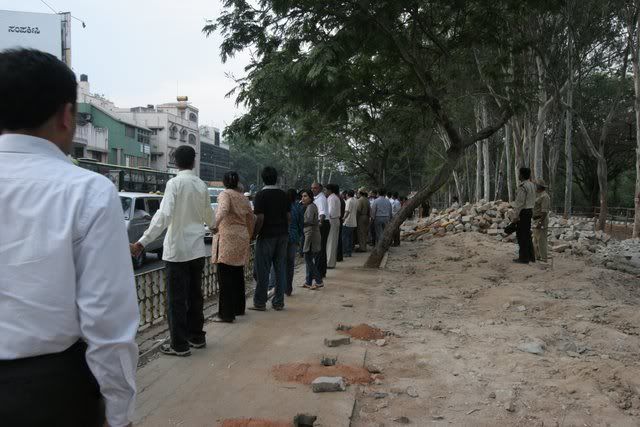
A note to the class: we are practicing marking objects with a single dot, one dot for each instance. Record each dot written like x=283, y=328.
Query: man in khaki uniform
x=363, y=210
x=541, y=220
x=523, y=211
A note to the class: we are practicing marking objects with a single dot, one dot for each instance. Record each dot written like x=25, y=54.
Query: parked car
x=213, y=193
x=138, y=209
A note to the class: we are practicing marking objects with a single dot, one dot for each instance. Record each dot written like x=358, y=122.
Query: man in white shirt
x=184, y=208
x=68, y=303
x=320, y=200
x=333, y=201
x=350, y=223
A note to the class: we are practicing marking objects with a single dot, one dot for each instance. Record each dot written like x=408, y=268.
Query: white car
x=138, y=209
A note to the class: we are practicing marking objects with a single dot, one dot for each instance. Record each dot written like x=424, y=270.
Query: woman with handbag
x=231, y=248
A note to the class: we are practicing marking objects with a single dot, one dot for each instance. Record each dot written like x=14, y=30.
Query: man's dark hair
x=231, y=180
x=269, y=175
x=351, y=193
x=293, y=195
x=395, y=194
x=34, y=86
x=333, y=188
x=185, y=157
x=525, y=173
x=382, y=192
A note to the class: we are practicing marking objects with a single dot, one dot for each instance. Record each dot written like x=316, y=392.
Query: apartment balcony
x=92, y=138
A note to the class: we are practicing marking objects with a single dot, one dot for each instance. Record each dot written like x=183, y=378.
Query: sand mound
x=305, y=373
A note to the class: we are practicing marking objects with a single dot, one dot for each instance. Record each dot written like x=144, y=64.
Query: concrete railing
x=151, y=287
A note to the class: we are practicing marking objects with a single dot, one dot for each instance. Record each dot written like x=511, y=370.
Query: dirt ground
x=460, y=311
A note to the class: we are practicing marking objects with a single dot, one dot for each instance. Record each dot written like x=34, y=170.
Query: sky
x=139, y=52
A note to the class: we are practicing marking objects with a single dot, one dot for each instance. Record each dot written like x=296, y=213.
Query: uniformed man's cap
x=540, y=183
x=362, y=190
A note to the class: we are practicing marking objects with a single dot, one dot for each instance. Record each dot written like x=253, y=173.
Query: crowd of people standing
x=322, y=225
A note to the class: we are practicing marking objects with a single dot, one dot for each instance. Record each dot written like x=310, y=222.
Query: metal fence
x=152, y=295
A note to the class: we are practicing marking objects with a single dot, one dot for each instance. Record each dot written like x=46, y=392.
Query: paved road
x=154, y=262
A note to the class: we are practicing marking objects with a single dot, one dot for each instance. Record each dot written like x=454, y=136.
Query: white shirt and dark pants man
x=320, y=200
x=333, y=201
x=350, y=224
x=68, y=304
x=184, y=209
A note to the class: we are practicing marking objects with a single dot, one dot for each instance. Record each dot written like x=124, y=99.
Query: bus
x=139, y=180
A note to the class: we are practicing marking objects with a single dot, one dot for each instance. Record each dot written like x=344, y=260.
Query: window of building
x=183, y=135
x=144, y=136
x=193, y=117
x=129, y=131
x=173, y=132
x=192, y=139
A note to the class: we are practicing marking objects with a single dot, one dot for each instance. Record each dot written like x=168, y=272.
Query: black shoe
x=278, y=307
x=256, y=308
x=193, y=344
x=520, y=261
x=170, y=351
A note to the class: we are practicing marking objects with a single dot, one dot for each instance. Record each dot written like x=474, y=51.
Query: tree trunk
x=478, y=111
x=538, y=150
x=507, y=155
x=440, y=179
x=527, y=144
x=634, y=35
x=554, y=159
x=486, y=170
x=568, y=143
x=499, y=177
x=603, y=184
x=517, y=147
x=478, y=171
x=468, y=177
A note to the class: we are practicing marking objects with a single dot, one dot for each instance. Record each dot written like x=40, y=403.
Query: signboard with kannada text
x=41, y=31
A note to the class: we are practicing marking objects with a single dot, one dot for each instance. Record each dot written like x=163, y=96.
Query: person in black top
x=273, y=214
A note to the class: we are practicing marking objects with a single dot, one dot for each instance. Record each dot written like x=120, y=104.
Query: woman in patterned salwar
x=231, y=248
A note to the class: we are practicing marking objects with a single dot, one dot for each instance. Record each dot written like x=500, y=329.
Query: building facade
x=214, y=155
x=171, y=125
x=102, y=135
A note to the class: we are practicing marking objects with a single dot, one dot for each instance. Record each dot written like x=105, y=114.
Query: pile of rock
x=484, y=217
x=623, y=255
x=575, y=235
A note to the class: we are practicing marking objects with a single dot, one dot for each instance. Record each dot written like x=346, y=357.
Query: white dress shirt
x=334, y=206
x=65, y=267
x=395, y=207
x=185, y=208
x=321, y=202
x=350, y=218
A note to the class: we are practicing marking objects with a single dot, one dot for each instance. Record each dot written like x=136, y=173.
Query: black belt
x=76, y=351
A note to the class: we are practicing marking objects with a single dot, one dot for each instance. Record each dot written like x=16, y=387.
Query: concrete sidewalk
x=232, y=377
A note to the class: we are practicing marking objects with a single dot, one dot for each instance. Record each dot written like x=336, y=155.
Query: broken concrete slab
x=337, y=341
x=328, y=384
